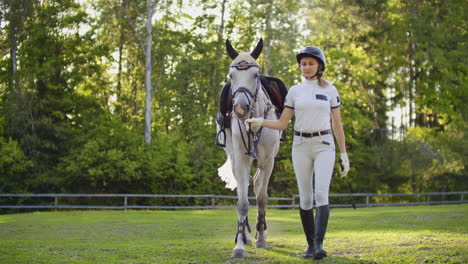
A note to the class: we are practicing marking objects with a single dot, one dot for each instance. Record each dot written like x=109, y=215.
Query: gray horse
x=244, y=145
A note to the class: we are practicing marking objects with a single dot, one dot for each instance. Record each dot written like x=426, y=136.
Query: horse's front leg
x=261, y=179
x=242, y=174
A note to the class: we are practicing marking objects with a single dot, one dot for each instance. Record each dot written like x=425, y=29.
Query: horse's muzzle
x=241, y=110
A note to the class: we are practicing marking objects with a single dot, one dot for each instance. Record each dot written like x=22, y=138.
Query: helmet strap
x=315, y=75
x=319, y=72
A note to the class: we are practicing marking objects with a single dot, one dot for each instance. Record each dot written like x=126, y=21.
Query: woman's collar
x=315, y=81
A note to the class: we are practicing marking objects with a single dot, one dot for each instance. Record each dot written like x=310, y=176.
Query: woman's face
x=309, y=67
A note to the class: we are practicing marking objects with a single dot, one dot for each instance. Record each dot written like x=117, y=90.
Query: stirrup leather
x=222, y=142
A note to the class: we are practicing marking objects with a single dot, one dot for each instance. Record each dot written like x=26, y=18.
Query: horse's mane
x=276, y=91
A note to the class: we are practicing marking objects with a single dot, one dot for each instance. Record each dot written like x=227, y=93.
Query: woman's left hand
x=344, y=164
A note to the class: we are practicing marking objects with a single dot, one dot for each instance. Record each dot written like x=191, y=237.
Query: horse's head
x=244, y=73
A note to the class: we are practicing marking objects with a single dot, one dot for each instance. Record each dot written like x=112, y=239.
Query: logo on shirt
x=321, y=97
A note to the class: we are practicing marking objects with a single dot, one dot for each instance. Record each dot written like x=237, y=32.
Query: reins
x=251, y=151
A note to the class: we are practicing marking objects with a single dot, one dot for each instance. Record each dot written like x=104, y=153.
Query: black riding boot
x=320, y=228
x=307, y=218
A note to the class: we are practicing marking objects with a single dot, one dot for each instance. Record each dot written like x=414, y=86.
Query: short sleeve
x=334, y=98
x=289, y=101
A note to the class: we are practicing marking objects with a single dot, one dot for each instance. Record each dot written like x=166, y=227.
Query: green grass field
x=417, y=234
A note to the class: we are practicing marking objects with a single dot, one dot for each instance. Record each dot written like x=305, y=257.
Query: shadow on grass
x=296, y=257
x=448, y=218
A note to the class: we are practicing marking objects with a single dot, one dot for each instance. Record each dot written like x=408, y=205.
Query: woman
x=315, y=103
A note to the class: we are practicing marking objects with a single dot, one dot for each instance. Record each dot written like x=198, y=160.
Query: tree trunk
x=148, y=71
x=268, y=34
x=412, y=67
x=146, y=47
x=14, y=27
x=412, y=81
x=121, y=45
x=217, y=79
x=221, y=26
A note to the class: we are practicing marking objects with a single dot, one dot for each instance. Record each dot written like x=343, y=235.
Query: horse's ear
x=230, y=50
x=256, y=52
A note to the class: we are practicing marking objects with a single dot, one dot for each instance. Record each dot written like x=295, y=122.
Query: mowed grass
x=416, y=234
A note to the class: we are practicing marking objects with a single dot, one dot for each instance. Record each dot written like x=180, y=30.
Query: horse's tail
x=226, y=174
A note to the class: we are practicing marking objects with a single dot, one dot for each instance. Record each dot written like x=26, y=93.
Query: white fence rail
x=215, y=201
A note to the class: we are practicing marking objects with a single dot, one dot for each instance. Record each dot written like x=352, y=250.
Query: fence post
x=56, y=202
x=367, y=200
x=213, y=201
x=293, y=201
x=461, y=197
x=125, y=203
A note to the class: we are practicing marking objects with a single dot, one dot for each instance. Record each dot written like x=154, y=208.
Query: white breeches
x=311, y=156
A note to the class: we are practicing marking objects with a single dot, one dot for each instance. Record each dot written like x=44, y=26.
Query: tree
x=146, y=47
x=57, y=71
x=76, y=88
x=13, y=167
x=16, y=12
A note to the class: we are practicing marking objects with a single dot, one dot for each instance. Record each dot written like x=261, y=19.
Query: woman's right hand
x=254, y=122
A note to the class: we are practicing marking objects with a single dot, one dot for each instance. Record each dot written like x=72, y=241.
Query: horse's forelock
x=244, y=56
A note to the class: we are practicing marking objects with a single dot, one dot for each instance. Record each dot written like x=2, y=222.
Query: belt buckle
x=324, y=132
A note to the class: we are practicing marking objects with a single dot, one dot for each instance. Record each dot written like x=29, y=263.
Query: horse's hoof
x=239, y=253
x=261, y=244
x=249, y=242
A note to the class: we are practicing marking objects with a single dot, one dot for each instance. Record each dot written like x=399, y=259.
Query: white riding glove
x=254, y=122
x=344, y=164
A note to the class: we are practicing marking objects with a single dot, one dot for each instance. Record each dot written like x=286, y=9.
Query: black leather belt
x=315, y=134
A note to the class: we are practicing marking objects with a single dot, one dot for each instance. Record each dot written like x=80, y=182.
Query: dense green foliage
x=72, y=91
x=422, y=234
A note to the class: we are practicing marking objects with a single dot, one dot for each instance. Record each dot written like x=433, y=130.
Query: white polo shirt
x=312, y=105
